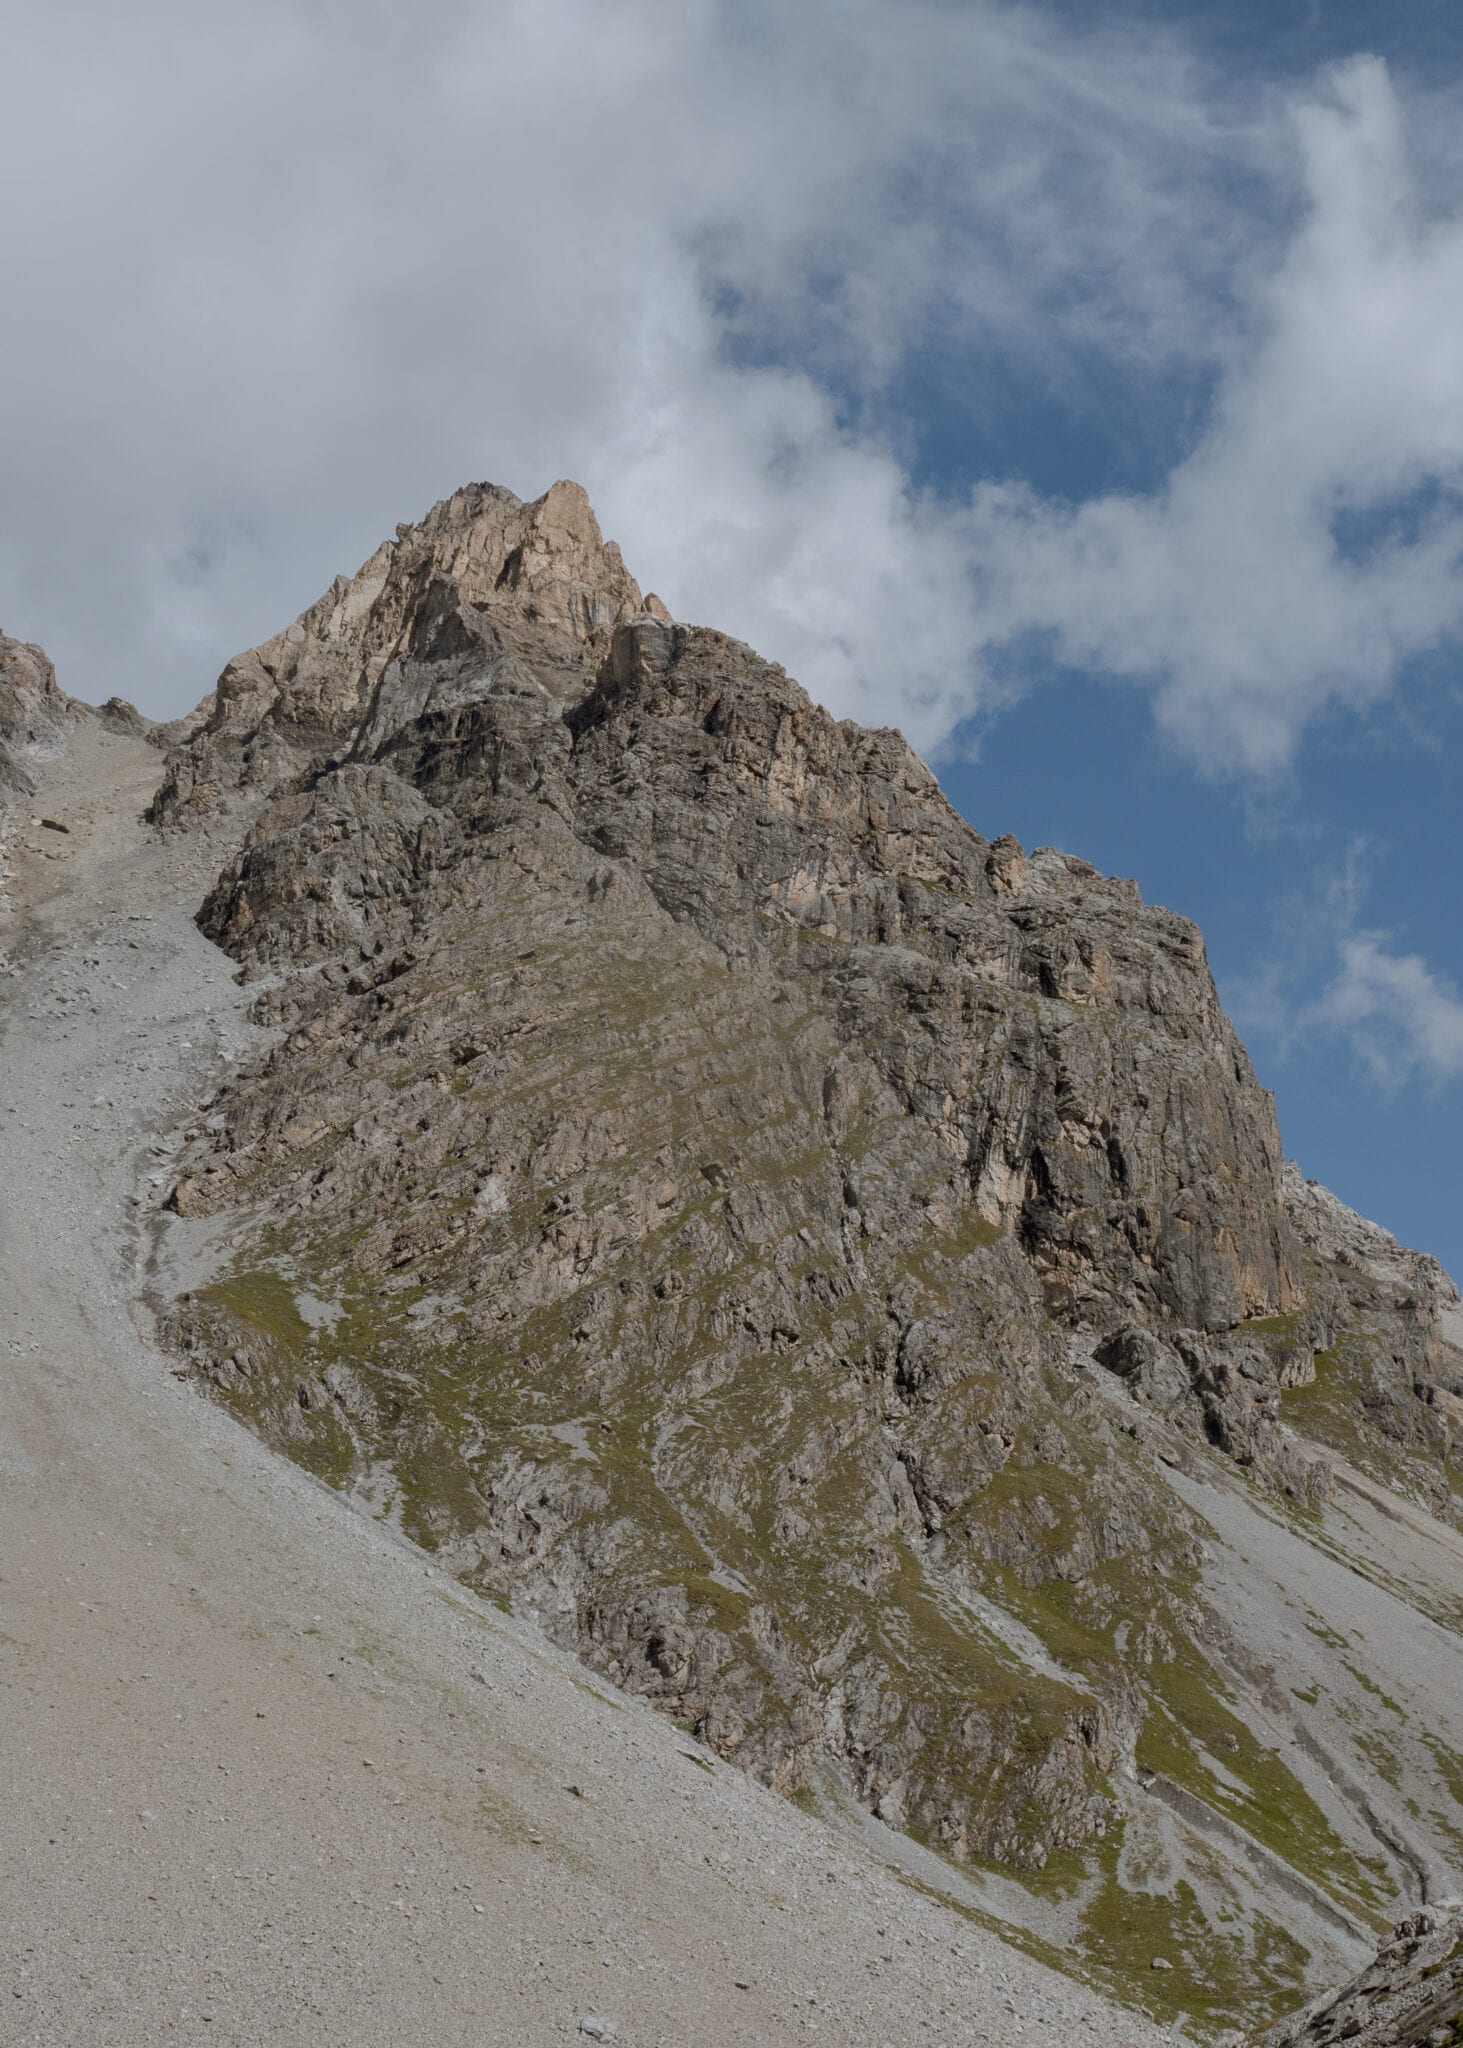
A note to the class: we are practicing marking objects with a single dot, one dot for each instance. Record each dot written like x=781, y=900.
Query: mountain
x=835, y=1271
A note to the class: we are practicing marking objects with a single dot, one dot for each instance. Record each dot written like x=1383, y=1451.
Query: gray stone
x=1410, y=1997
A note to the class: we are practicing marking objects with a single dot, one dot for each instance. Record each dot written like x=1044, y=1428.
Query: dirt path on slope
x=265, y=1775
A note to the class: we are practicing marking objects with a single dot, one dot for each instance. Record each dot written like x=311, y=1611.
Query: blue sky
x=1362, y=831
x=1081, y=390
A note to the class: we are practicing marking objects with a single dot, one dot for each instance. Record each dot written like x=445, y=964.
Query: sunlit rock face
x=483, y=575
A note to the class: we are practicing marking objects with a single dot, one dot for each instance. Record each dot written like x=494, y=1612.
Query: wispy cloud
x=281, y=278
x=1403, y=1018
x=1329, y=976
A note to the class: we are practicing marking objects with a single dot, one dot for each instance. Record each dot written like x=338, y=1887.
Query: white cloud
x=1405, y=1020
x=1328, y=976
x=1239, y=593
x=278, y=277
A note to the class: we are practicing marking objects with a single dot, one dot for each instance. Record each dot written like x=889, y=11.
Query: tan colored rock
x=542, y=566
x=1006, y=865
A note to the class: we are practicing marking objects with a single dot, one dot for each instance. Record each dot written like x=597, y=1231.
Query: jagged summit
x=549, y=556
x=833, y=1270
x=482, y=565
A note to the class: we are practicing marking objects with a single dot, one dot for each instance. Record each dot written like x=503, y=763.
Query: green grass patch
x=1192, y=1728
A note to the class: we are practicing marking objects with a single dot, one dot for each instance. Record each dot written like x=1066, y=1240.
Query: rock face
x=33, y=715
x=1385, y=1388
x=730, y=1209
x=531, y=591
x=1410, y=1997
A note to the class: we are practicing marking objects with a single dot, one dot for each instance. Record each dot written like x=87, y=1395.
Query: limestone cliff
x=538, y=581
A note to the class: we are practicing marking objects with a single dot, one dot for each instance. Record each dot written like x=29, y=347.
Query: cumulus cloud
x=1311, y=542
x=279, y=277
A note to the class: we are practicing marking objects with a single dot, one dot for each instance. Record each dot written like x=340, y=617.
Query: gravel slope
x=267, y=1776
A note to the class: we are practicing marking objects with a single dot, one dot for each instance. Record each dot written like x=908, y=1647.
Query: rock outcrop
x=732, y=1210
x=1410, y=1997
x=33, y=715
x=535, y=590
x=1383, y=1385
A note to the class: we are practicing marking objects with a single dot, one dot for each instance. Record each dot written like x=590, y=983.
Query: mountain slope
x=267, y=1775
x=816, y=1260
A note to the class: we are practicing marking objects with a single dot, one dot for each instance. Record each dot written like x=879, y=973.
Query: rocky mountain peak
x=546, y=559
x=480, y=572
x=789, y=1242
